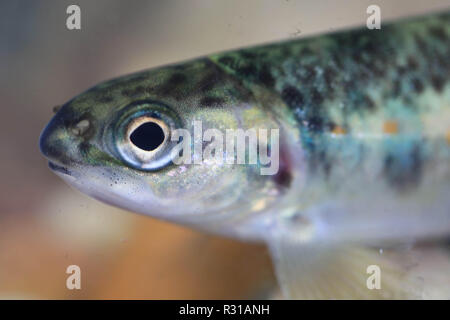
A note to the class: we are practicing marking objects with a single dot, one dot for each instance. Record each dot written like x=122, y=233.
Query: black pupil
x=148, y=136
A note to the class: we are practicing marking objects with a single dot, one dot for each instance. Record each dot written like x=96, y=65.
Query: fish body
x=364, y=139
x=372, y=109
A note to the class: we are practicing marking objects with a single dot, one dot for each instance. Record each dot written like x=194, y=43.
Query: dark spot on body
x=285, y=51
x=378, y=69
x=331, y=126
x=349, y=87
x=266, y=77
x=437, y=82
x=397, y=88
x=208, y=82
x=316, y=97
x=309, y=74
x=227, y=61
x=316, y=123
x=176, y=79
x=248, y=54
x=443, y=61
x=364, y=74
x=401, y=70
x=329, y=75
x=421, y=45
x=368, y=102
x=105, y=99
x=69, y=117
x=356, y=56
x=438, y=33
x=369, y=46
x=412, y=64
x=84, y=148
x=180, y=67
x=417, y=85
x=132, y=92
x=139, y=90
x=248, y=71
x=337, y=59
x=126, y=92
x=211, y=101
x=404, y=171
x=292, y=97
x=173, y=82
x=307, y=51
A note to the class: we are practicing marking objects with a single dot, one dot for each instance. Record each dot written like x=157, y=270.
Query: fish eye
x=142, y=133
x=148, y=134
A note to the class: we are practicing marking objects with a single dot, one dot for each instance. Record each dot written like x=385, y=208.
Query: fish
x=359, y=124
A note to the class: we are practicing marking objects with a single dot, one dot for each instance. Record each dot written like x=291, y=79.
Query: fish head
x=116, y=142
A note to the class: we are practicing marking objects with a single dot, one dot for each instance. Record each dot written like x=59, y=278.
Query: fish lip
x=59, y=168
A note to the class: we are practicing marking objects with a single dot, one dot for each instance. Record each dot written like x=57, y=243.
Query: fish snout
x=53, y=145
x=46, y=146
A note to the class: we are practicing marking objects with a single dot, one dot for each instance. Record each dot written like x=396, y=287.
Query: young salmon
x=362, y=150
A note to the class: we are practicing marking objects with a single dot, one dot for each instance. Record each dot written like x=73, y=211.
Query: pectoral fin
x=344, y=271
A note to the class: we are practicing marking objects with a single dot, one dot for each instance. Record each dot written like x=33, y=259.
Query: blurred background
x=46, y=226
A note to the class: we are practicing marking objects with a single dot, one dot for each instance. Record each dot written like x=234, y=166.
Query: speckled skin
x=351, y=83
x=361, y=112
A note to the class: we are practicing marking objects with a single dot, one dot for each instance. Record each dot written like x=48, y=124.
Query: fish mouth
x=58, y=168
